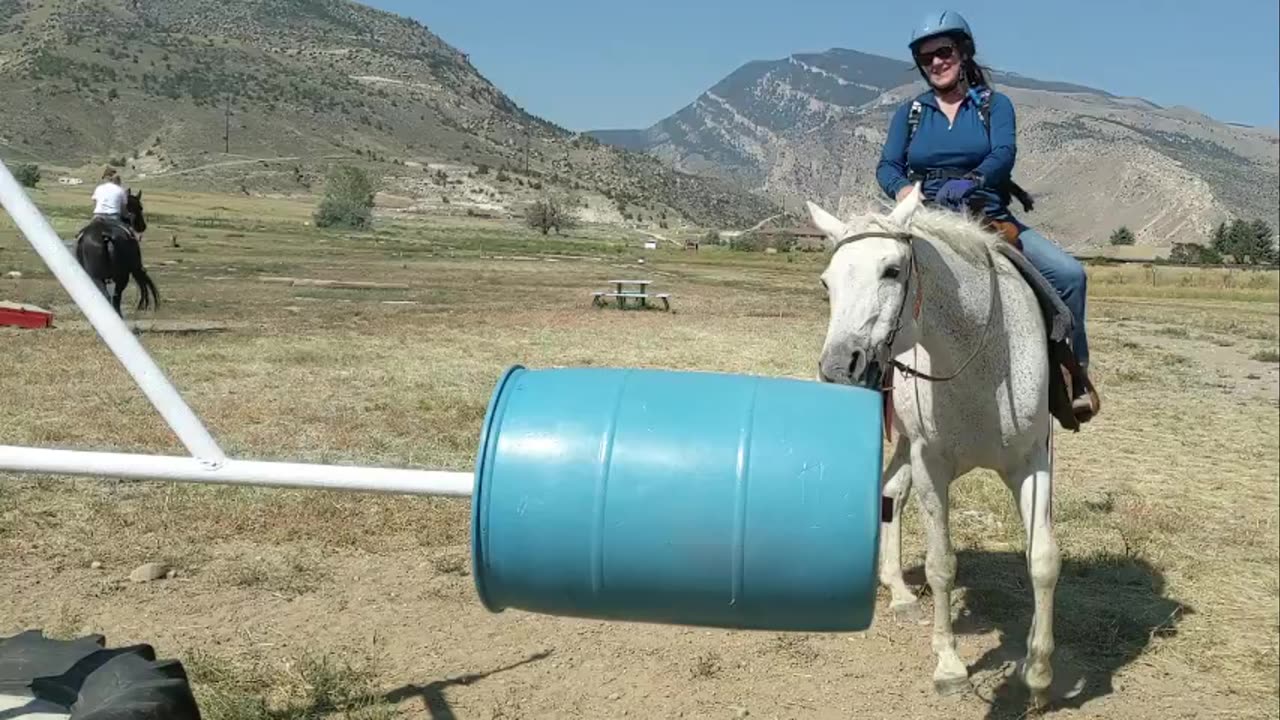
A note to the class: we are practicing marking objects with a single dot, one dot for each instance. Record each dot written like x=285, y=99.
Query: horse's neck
x=956, y=303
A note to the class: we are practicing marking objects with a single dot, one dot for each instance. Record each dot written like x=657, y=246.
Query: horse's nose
x=857, y=365
x=822, y=373
x=842, y=364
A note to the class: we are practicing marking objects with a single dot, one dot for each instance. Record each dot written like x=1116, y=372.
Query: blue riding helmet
x=939, y=23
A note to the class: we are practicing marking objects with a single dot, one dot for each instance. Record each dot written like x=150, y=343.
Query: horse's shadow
x=1108, y=608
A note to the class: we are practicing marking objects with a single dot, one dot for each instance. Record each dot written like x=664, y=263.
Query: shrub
x=1123, y=236
x=27, y=174
x=348, y=199
x=551, y=212
x=753, y=242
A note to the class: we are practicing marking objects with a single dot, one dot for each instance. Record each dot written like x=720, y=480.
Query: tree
x=1247, y=242
x=1194, y=254
x=1259, y=243
x=1123, y=236
x=1208, y=255
x=1219, y=240
x=27, y=174
x=1182, y=253
x=552, y=213
x=348, y=199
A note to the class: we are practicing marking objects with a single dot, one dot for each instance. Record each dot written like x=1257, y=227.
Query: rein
x=912, y=272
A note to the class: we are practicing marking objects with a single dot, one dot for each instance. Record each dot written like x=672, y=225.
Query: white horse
x=921, y=289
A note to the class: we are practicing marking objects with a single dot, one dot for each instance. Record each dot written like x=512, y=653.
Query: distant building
x=70, y=181
x=1122, y=253
x=802, y=237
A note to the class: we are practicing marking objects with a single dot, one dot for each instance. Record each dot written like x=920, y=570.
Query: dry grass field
x=291, y=604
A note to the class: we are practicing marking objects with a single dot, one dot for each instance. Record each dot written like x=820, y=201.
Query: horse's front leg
x=1032, y=487
x=897, y=488
x=932, y=476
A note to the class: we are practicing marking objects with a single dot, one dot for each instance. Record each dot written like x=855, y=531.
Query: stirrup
x=1087, y=404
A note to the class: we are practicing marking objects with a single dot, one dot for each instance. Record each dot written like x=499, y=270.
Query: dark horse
x=107, y=252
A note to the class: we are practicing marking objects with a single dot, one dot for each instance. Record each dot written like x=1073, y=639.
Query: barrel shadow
x=1108, y=608
x=432, y=694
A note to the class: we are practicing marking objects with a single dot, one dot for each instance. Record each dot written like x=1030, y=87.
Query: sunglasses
x=925, y=59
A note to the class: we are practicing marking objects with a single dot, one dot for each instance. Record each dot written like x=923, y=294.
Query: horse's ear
x=901, y=214
x=829, y=224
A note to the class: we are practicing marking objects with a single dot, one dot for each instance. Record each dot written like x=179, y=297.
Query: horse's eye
x=891, y=272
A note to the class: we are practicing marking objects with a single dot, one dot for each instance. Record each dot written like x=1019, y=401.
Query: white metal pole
x=107, y=323
x=236, y=472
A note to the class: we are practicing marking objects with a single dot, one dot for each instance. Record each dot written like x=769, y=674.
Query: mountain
x=810, y=127
x=299, y=84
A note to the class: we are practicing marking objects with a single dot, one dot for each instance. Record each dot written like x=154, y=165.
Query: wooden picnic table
x=639, y=294
x=621, y=284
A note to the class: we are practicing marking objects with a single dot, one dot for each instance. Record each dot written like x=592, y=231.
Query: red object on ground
x=25, y=316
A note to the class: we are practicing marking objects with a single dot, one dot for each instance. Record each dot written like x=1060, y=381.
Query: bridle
x=913, y=274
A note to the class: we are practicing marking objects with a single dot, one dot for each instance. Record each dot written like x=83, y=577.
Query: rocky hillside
x=298, y=84
x=811, y=126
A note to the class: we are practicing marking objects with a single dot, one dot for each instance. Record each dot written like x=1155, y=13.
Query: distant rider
x=109, y=200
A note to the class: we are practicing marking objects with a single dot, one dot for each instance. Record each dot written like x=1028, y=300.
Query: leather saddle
x=112, y=231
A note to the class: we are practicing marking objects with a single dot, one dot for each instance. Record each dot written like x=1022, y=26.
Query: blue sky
x=599, y=64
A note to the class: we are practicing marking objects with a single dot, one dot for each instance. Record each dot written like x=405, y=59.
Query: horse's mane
x=960, y=233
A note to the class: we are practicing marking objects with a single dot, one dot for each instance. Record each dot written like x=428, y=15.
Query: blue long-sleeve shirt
x=963, y=146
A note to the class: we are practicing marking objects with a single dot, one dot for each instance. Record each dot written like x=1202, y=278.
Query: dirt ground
x=290, y=604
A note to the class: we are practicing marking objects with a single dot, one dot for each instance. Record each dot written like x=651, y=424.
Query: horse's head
x=133, y=211
x=867, y=280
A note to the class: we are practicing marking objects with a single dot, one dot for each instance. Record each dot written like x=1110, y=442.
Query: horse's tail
x=148, y=294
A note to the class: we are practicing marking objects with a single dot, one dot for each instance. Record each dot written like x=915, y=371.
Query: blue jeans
x=1067, y=276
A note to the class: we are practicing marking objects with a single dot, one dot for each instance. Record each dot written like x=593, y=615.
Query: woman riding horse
x=963, y=159
x=108, y=248
x=110, y=201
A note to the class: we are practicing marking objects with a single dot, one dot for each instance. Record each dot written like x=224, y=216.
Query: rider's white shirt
x=108, y=199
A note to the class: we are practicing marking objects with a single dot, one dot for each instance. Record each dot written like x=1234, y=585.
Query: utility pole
x=226, y=133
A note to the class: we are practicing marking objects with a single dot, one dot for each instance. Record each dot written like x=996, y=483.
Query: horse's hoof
x=909, y=611
x=947, y=686
x=1038, y=686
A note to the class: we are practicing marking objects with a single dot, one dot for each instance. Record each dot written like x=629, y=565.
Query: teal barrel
x=687, y=498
